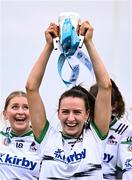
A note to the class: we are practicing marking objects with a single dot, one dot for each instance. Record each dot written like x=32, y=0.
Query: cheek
x=28, y=115
x=5, y=117
x=8, y=115
x=60, y=117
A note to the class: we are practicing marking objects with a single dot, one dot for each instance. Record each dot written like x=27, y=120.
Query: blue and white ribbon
x=70, y=51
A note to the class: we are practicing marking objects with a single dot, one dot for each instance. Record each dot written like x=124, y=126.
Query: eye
x=65, y=111
x=77, y=112
x=25, y=107
x=14, y=107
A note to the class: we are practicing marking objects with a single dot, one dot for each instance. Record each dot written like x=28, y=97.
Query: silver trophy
x=75, y=20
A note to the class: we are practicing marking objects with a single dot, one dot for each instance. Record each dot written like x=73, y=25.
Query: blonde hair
x=12, y=95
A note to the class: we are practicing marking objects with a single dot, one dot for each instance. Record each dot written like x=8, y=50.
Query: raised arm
x=36, y=106
x=102, y=111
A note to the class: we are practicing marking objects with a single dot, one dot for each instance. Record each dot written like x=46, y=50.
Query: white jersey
x=67, y=158
x=125, y=156
x=118, y=129
x=18, y=157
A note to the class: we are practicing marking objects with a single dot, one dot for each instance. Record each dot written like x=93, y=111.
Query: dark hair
x=80, y=92
x=116, y=99
x=12, y=95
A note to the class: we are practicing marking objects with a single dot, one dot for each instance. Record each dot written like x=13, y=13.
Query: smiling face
x=17, y=113
x=72, y=114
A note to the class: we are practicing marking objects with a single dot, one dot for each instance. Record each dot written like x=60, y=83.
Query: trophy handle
x=81, y=41
x=56, y=43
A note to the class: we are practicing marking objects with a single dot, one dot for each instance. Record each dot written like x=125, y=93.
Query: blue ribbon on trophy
x=70, y=45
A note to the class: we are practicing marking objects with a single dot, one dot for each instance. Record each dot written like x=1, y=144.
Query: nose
x=20, y=110
x=71, y=116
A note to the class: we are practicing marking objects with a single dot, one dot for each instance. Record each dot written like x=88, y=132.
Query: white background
x=23, y=23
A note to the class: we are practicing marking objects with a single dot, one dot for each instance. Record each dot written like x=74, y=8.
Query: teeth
x=20, y=119
x=71, y=125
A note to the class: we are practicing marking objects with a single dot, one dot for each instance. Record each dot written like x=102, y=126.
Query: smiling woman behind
x=19, y=158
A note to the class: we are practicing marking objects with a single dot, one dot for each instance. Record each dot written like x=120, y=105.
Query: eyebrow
x=65, y=109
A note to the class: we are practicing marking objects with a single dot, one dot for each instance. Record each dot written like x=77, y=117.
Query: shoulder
x=91, y=130
x=47, y=133
x=119, y=127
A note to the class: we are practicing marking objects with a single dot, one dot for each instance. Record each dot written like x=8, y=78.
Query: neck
x=20, y=133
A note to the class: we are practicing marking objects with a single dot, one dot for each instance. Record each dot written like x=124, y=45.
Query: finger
x=84, y=27
x=53, y=29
